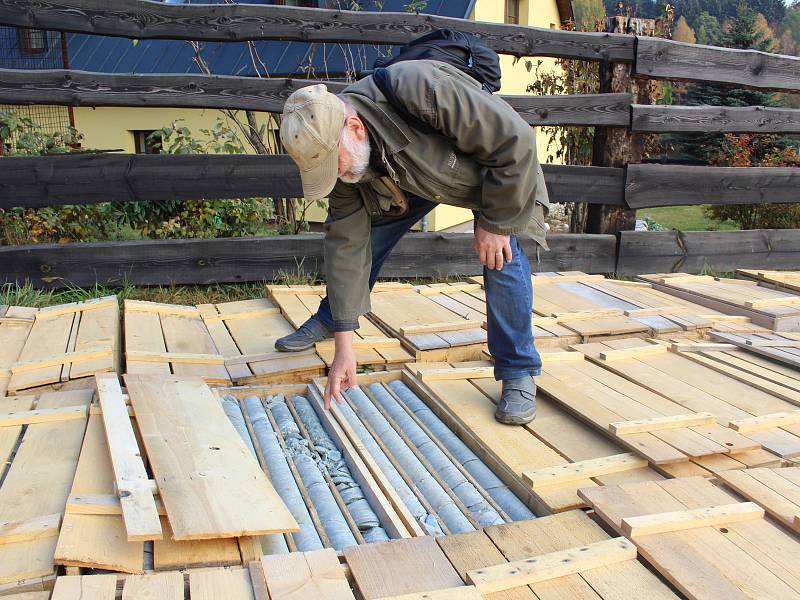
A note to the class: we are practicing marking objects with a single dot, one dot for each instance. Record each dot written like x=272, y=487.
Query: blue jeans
x=509, y=296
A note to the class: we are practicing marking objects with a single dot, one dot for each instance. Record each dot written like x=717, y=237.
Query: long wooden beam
x=138, y=19
x=693, y=251
x=649, y=185
x=91, y=178
x=154, y=262
x=708, y=119
x=83, y=88
x=666, y=59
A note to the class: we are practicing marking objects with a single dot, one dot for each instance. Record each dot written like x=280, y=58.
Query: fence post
x=617, y=146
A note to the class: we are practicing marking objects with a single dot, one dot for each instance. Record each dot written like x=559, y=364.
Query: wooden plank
x=45, y=415
x=211, y=584
x=159, y=308
x=164, y=586
x=37, y=484
x=649, y=185
x=173, y=262
x=209, y=482
x=132, y=481
x=61, y=359
x=765, y=421
x=455, y=373
x=100, y=504
x=170, y=554
x=465, y=592
x=188, y=358
x=550, y=566
x=85, y=587
x=50, y=312
x=772, y=501
x=662, y=423
x=12, y=532
x=692, y=251
x=626, y=353
x=585, y=469
x=691, y=519
x=708, y=119
x=667, y=59
x=438, y=327
x=257, y=22
x=96, y=540
x=301, y=575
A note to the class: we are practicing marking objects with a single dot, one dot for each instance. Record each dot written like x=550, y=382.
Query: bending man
x=383, y=174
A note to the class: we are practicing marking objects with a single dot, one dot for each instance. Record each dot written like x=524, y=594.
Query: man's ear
x=356, y=127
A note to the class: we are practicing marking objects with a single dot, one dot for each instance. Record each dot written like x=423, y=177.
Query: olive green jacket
x=484, y=160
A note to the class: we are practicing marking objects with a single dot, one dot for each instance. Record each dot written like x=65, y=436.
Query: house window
x=512, y=11
x=33, y=41
x=146, y=143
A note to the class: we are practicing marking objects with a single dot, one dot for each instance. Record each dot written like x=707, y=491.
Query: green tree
x=708, y=29
x=791, y=22
x=587, y=13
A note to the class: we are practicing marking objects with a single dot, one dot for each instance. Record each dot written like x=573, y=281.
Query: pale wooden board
x=143, y=334
x=666, y=522
x=12, y=339
x=12, y=532
x=211, y=584
x=100, y=326
x=708, y=562
x=10, y=435
x=622, y=581
x=47, y=338
x=400, y=567
x=210, y=484
x=132, y=481
x=770, y=489
x=302, y=575
x=171, y=554
x=189, y=334
x=38, y=483
x=85, y=587
x=97, y=541
x=158, y=586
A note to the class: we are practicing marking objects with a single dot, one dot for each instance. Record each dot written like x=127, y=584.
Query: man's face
x=354, y=151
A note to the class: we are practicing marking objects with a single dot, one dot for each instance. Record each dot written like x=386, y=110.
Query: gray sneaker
x=517, y=404
x=310, y=332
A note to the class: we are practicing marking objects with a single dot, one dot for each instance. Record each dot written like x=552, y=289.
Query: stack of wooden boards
x=774, y=309
x=777, y=491
x=702, y=539
x=223, y=343
x=373, y=348
x=566, y=555
x=56, y=344
x=780, y=280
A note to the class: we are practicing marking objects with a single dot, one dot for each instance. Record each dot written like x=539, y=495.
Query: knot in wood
x=45, y=268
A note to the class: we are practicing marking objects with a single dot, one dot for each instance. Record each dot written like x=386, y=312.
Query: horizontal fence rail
x=695, y=251
x=90, y=178
x=665, y=59
x=80, y=88
x=139, y=19
x=674, y=185
x=230, y=260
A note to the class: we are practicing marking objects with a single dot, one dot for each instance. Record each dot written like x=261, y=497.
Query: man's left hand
x=493, y=249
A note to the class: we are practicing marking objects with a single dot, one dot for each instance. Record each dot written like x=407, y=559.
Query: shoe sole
x=515, y=419
x=284, y=348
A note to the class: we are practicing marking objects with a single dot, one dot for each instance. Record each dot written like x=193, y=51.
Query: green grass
x=684, y=218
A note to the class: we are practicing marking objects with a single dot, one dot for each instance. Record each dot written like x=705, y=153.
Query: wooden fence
x=91, y=178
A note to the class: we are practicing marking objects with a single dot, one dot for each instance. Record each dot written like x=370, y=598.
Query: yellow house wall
x=538, y=13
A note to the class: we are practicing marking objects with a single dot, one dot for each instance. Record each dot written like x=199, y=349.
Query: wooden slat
x=132, y=482
x=550, y=566
x=209, y=482
x=464, y=592
x=649, y=185
x=44, y=415
x=259, y=22
x=164, y=586
x=662, y=423
x=301, y=575
x=667, y=59
x=766, y=421
x=211, y=584
x=691, y=519
x=692, y=251
x=427, y=374
x=12, y=532
x=61, y=359
x=399, y=567
x=581, y=470
x=100, y=504
x=85, y=587
x=627, y=353
x=707, y=119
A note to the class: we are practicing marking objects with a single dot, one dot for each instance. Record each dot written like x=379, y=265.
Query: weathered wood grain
x=692, y=251
x=263, y=258
x=709, y=119
x=666, y=59
x=38, y=181
x=239, y=22
x=649, y=185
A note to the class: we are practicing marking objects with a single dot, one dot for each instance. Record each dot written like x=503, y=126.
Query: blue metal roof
x=121, y=55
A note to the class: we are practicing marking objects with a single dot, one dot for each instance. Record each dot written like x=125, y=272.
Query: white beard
x=359, y=154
